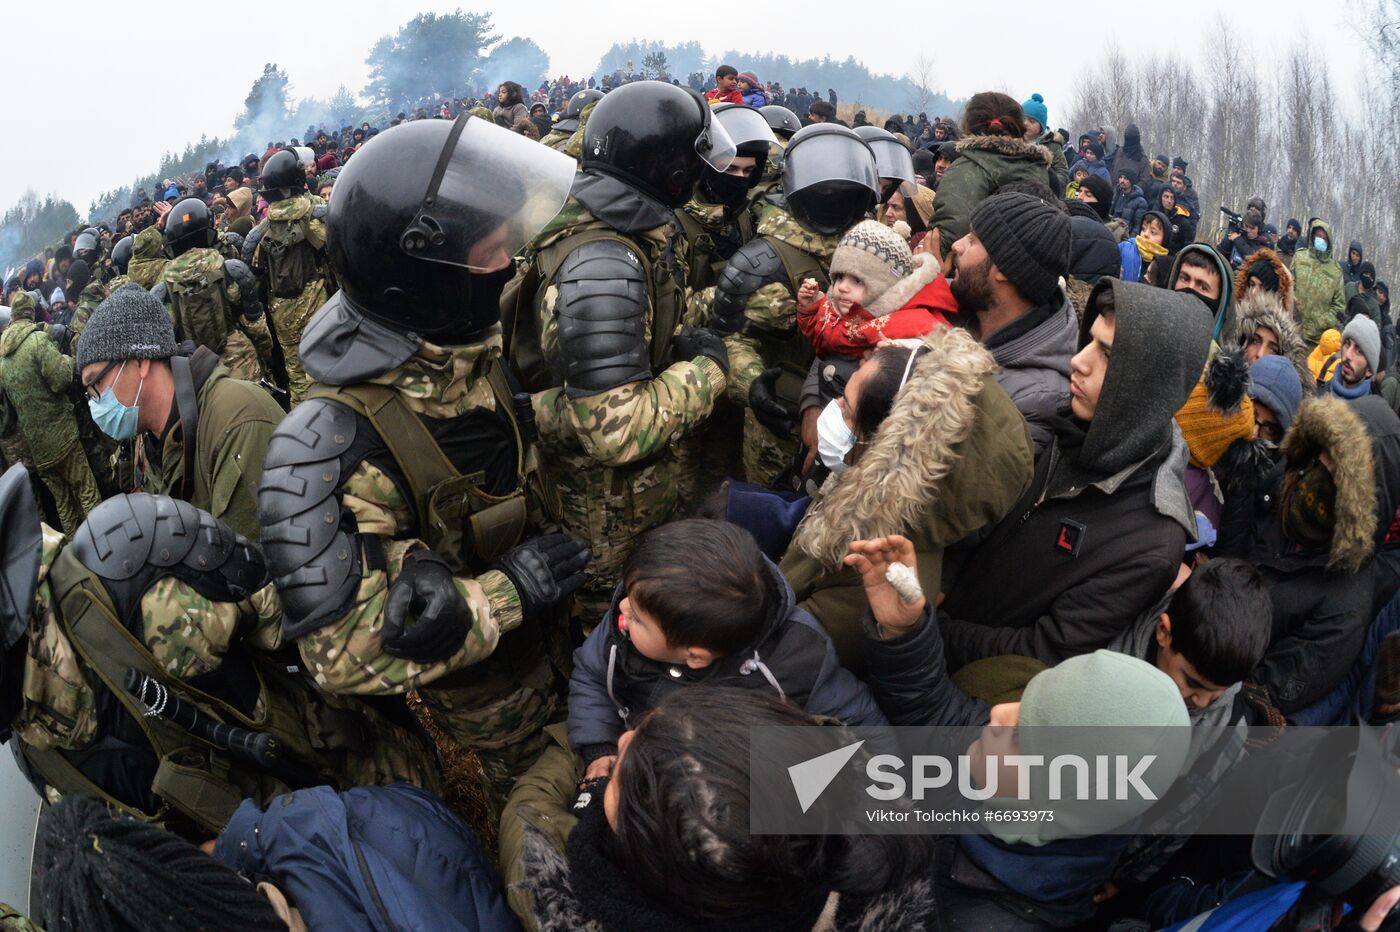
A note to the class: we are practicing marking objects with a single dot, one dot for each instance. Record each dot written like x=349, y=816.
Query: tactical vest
x=458, y=519
x=198, y=785
x=704, y=262
x=519, y=322
x=201, y=307
x=792, y=351
x=289, y=256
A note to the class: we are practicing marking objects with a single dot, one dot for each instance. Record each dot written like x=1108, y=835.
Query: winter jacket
x=1364, y=303
x=37, y=378
x=952, y=456
x=1093, y=168
x=509, y=116
x=1321, y=598
x=1265, y=309
x=1093, y=252
x=1098, y=537
x=1033, y=352
x=715, y=96
x=1318, y=285
x=1284, y=294
x=1129, y=206
x=1058, y=172
x=1131, y=157
x=1183, y=226
x=755, y=98
x=1352, y=273
x=374, y=857
x=236, y=420
x=911, y=307
x=1241, y=247
x=984, y=165
x=613, y=685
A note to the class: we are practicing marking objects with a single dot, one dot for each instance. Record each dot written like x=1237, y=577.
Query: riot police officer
x=559, y=136
x=121, y=260
x=829, y=184
x=893, y=162
x=396, y=497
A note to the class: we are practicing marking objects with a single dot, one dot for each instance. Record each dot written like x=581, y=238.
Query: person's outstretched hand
x=871, y=559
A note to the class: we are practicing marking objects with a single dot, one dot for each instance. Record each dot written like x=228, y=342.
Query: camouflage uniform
x=94, y=293
x=188, y=636
x=291, y=314
x=770, y=319
x=612, y=455
x=12, y=920
x=495, y=695
x=241, y=344
x=37, y=378
x=147, y=258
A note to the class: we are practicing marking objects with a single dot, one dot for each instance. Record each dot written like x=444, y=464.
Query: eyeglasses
x=91, y=386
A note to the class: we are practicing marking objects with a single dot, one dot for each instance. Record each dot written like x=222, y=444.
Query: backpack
x=200, y=305
x=288, y=255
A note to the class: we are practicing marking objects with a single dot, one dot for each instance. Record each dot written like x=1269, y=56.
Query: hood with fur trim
x=1011, y=147
x=1285, y=277
x=926, y=269
x=930, y=443
x=1328, y=423
x=1264, y=309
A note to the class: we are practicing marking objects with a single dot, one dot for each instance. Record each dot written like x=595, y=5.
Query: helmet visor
x=818, y=159
x=491, y=192
x=745, y=125
x=714, y=144
x=893, y=160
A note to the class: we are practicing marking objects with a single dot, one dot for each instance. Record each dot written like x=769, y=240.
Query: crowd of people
x=610, y=422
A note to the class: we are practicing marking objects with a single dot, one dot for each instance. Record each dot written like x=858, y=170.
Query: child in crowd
x=699, y=603
x=879, y=291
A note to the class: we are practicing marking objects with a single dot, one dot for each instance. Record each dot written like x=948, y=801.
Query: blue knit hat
x=1274, y=383
x=1035, y=109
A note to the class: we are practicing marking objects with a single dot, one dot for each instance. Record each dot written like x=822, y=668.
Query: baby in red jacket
x=879, y=291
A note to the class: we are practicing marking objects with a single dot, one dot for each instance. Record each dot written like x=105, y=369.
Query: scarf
x=1362, y=389
x=1149, y=250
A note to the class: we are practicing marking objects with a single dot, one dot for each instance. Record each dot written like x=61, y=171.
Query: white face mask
x=834, y=438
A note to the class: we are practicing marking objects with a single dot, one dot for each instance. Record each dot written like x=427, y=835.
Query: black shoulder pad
x=601, y=313
x=250, y=242
x=306, y=534
x=756, y=264
x=160, y=292
x=237, y=271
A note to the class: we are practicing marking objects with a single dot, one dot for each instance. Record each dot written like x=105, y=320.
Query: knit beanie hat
x=1100, y=704
x=875, y=254
x=1096, y=147
x=1103, y=195
x=130, y=324
x=1036, y=110
x=1363, y=330
x=1274, y=383
x=750, y=77
x=1179, y=162
x=98, y=870
x=57, y=296
x=1027, y=239
x=1266, y=274
x=1218, y=411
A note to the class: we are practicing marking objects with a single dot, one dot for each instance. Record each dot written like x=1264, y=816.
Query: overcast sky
x=75, y=130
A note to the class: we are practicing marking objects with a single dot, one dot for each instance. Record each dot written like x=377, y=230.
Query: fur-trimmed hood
x=1012, y=147
x=926, y=269
x=904, y=474
x=1267, y=310
x=1328, y=423
x=1285, y=276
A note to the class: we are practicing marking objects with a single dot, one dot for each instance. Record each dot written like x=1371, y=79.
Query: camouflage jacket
x=185, y=632
x=94, y=294
x=633, y=422
x=147, y=258
x=773, y=307
x=194, y=269
x=347, y=655
x=290, y=210
x=36, y=378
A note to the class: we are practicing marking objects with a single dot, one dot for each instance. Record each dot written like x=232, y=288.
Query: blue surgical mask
x=1319, y=244
x=834, y=438
x=113, y=418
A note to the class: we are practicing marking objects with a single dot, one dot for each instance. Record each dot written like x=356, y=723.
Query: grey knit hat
x=130, y=324
x=1027, y=239
x=875, y=254
x=1363, y=330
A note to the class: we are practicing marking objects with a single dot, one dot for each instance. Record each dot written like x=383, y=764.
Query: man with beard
x=1009, y=267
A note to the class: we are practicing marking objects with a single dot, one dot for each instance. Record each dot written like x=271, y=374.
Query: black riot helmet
x=893, y=162
x=656, y=137
x=749, y=132
x=22, y=548
x=283, y=176
x=121, y=253
x=829, y=178
x=187, y=226
x=88, y=247
x=575, y=109
x=427, y=217
x=782, y=121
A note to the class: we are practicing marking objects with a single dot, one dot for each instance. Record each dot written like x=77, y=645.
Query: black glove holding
x=763, y=399
x=545, y=571
x=425, y=617
x=698, y=341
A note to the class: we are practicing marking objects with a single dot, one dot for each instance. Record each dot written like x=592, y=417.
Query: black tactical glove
x=545, y=571
x=425, y=617
x=698, y=341
x=763, y=399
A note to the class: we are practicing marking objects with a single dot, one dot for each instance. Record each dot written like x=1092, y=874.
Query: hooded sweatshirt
x=1220, y=308
x=1097, y=538
x=1318, y=285
x=1131, y=157
x=1352, y=273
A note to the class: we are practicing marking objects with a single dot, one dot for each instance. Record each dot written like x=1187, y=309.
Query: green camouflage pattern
x=147, y=258
x=94, y=293
x=12, y=920
x=574, y=147
x=765, y=454
x=556, y=139
x=242, y=344
x=291, y=315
